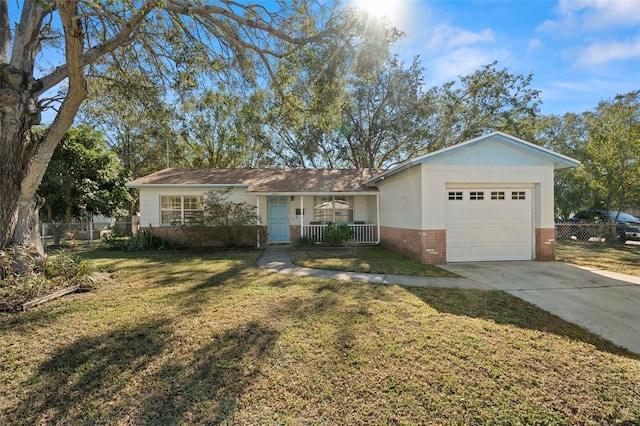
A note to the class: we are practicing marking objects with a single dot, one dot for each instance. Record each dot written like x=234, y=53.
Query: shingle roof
x=263, y=180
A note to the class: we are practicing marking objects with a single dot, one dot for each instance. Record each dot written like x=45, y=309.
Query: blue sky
x=580, y=51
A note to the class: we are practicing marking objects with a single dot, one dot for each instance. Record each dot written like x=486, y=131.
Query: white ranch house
x=490, y=198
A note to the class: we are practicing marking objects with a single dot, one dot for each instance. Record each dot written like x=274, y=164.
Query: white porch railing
x=362, y=233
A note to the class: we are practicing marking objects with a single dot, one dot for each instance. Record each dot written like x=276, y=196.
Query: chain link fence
x=589, y=234
x=87, y=234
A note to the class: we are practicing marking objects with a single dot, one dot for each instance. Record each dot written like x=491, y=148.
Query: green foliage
x=489, y=99
x=226, y=222
x=61, y=270
x=612, y=151
x=83, y=177
x=338, y=235
x=607, y=142
x=142, y=240
x=304, y=243
x=224, y=129
x=66, y=267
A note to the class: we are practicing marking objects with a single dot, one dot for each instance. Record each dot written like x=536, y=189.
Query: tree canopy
x=174, y=43
x=83, y=178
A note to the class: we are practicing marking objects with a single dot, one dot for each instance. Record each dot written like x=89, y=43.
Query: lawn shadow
x=132, y=376
x=204, y=388
x=72, y=384
x=503, y=308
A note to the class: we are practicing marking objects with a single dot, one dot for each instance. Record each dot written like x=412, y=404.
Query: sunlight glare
x=377, y=8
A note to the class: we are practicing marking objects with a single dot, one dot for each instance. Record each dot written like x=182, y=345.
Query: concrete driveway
x=602, y=302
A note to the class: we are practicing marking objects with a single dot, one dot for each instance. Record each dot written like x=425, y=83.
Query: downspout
x=301, y=216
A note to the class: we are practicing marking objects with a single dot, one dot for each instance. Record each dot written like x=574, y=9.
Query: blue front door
x=278, y=219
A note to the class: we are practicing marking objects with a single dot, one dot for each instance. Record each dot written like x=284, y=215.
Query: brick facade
x=427, y=246
x=294, y=233
x=545, y=244
x=430, y=246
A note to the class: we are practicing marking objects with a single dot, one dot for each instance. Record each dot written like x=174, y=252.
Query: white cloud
x=446, y=36
x=534, y=44
x=462, y=61
x=603, y=52
x=597, y=14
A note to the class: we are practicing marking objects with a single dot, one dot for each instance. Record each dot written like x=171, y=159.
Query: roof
x=262, y=180
x=559, y=161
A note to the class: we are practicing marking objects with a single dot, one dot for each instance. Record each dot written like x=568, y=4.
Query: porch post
x=259, y=220
x=378, y=215
x=301, y=216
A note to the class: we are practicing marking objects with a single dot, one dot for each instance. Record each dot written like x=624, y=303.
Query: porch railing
x=362, y=233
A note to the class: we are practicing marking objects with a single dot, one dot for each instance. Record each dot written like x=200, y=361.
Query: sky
x=580, y=52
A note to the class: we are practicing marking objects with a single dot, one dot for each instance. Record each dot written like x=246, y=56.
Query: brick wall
x=294, y=233
x=427, y=246
x=545, y=244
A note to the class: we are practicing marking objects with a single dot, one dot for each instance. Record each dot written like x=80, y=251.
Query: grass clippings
x=375, y=260
x=208, y=338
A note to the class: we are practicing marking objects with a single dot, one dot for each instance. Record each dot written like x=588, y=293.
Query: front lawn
x=376, y=260
x=624, y=259
x=208, y=338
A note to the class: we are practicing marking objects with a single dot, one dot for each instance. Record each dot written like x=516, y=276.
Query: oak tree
x=172, y=40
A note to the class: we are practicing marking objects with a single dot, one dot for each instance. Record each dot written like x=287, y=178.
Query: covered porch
x=291, y=216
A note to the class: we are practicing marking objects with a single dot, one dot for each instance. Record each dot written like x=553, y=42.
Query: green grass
x=624, y=259
x=375, y=260
x=208, y=338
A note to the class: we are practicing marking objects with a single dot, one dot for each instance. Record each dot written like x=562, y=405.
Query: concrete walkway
x=605, y=303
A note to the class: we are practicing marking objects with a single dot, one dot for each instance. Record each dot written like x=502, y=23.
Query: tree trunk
x=23, y=159
x=19, y=209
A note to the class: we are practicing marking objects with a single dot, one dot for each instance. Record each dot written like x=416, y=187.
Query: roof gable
x=495, y=149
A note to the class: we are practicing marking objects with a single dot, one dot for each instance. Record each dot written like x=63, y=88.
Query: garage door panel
x=486, y=229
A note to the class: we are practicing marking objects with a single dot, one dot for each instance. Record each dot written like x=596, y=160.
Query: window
x=518, y=195
x=455, y=195
x=476, y=195
x=329, y=208
x=497, y=195
x=180, y=209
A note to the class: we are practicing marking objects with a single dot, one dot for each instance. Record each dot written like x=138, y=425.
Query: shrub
x=143, y=240
x=304, y=242
x=226, y=223
x=338, y=235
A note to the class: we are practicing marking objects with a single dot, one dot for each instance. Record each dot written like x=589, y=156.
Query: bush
x=143, y=240
x=304, y=242
x=338, y=235
x=229, y=236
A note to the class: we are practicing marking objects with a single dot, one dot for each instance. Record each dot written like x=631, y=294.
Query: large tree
x=224, y=129
x=489, y=99
x=83, y=179
x=170, y=38
x=318, y=84
x=566, y=134
x=138, y=123
x=612, y=151
x=383, y=123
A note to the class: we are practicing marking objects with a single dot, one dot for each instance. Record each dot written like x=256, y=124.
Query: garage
x=485, y=223
x=487, y=199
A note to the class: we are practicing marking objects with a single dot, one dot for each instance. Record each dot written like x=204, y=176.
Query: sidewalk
x=277, y=258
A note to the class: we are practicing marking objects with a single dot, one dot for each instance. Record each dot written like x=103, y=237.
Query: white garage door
x=489, y=224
